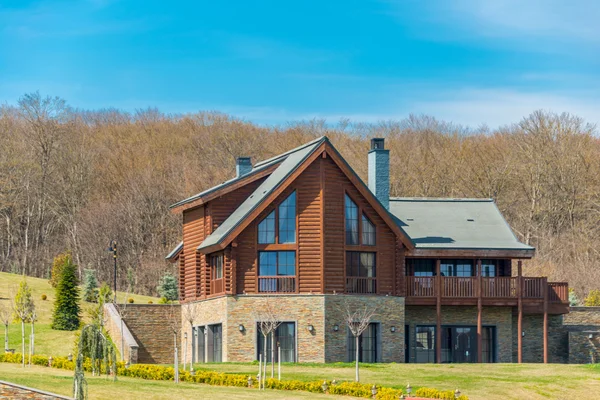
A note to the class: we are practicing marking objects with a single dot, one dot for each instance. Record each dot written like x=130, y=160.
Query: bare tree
x=190, y=313
x=357, y=317
x=174, y=323
x=32, y=318
x=268, y=322
x=5, y=315
x=21, y=308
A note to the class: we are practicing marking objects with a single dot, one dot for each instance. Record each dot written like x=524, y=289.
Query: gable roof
x=172, y=256
x=291, y=161
x=438, y=223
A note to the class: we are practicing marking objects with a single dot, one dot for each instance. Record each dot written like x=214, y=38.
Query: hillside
x=75, y=180
x=48, y=341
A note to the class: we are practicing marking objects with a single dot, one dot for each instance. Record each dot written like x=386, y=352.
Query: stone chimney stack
x=379, y=171
x=243, y=165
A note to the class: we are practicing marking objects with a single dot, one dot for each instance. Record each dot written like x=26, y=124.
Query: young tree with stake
x=357, y=317
x=5, y=318
x=190, y=313
x=268, y=322
x=22, y=305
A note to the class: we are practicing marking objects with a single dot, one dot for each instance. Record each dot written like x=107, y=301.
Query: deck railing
x=503, y=287
x=277, y=284
x=361, y=285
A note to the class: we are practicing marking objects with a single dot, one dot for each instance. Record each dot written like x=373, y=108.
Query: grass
x=477, y=381
x=61, y=382
x=47, y=340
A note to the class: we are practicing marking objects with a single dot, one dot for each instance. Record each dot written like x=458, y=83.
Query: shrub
x=437, y=394
x=57, y=266
x=167, y=287
x=90, y=286
x=593, y=298
x=163, y=300
x=573, y=299
x=130, y=300
x=44, y=297
x=66, y=315
x=150, y=302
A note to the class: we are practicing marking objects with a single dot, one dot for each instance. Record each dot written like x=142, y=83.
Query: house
x=303, y=233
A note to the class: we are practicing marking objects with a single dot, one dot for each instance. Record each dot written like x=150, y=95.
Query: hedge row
x=161, y=373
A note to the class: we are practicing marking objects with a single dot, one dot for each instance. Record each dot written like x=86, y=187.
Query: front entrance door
x=459, y=344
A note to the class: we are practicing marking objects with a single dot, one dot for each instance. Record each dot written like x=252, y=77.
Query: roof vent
x=243, y=166
x=470, y=219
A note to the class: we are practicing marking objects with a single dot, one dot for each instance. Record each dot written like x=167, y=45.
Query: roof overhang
x=174, y=254
x=471, y=253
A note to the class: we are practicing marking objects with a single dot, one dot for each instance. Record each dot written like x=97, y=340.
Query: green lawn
x=483, y=381
x=47, y=340
x=61, y=382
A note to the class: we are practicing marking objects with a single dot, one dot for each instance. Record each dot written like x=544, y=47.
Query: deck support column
x=520, y=311
x=438, y=331
x=545, y=289
x=479, y=310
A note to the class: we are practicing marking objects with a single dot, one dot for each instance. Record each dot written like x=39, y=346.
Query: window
x=463, y=268
x=214, y=345
x=266, y=229
x=489, y=268
x=277, y=271
x=286, y=214
x=287, y=219
x=351, y=221
x=217, y=266
x=360, y=264
x=367, y=345
x=368, y=232
x=285, y=338
x=420, y=266
x=198, y=345
x=367, y=228
x=424, y=344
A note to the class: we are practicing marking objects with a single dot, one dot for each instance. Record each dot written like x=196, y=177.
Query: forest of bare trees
x=73, y=179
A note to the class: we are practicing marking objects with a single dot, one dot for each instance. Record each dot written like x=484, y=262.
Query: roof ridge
x=444, y=199
x=287, y=153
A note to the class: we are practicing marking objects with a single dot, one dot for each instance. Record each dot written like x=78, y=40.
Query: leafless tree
x=268, y=322
x=358, y=317
x=32, y=319
x=22, y=310
x=190, y=312
x=5, y=317
x=174, y=324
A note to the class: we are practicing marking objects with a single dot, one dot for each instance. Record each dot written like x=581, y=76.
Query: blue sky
x=465, y=61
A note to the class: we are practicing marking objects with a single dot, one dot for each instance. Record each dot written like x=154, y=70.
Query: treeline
x=74, y=179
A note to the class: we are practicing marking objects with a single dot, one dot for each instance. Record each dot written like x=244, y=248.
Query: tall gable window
x=266, y=229
x=351, y=221
x=359, y=231
x=287, y=219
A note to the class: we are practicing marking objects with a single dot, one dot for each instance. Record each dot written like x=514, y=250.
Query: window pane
x=267, y=263
x=425, y=344
x=287, y=220
x=420, y=267
x=368, y=232
x=351, y=212
x=360, y=264
x=216, y=342
x=488, y=268
x=266, y=229
x=464, y=268
x=217, y=264
x=285, y=336
x=286, y=263
x=367, y=345
x=367, y=265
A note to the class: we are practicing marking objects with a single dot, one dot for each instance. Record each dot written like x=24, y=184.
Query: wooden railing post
x=520, y=311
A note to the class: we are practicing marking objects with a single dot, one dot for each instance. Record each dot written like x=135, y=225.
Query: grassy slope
x=61, y=382
x=484, y=381
x=48, y=341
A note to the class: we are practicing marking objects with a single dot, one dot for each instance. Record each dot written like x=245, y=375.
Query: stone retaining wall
x=10, y=390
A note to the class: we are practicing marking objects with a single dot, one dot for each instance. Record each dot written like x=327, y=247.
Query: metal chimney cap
x=377, y=144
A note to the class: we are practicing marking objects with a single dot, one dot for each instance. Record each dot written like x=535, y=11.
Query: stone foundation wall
x=533, y=340
x=582, y=325
x=150, y=326
x=322, y=312
x=389, y=313
x=499, y=317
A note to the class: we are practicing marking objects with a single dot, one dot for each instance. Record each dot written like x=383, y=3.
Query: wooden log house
x=302, y=232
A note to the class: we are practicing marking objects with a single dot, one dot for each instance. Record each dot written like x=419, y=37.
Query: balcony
x=423, y=290
x=277, y=284
x=361, y=285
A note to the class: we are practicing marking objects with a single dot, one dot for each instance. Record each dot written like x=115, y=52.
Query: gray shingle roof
x=291, y=161
x=174, y=252
x=455, y=224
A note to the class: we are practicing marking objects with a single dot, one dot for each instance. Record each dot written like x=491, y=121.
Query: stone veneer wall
x=581, y=323
x=150, y=325
x=390, y=313
x=113, y=327
x=9, y=390
x=320, y=311
x=533, y=341
x=500, y=317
